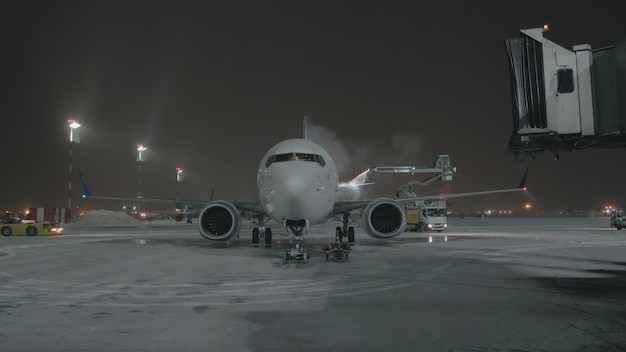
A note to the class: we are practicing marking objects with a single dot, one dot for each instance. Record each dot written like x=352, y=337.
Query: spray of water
x=350, y=156
x=352, y=190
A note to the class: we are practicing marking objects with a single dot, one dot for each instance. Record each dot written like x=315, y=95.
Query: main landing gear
x=345, y=230
x=261, y=231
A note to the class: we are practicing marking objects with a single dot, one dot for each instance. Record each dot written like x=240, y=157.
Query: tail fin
x=522, y=185
x=446, y=188
x=305, y=125
x=86, y=192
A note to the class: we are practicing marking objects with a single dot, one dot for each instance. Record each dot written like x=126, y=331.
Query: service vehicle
x=429, y=215
x=30, y=229
x=424, y=215
x=617, y=219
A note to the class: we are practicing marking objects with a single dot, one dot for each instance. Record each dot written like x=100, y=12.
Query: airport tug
x=339, y=250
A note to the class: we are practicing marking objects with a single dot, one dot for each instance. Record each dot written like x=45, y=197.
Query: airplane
x=298, y=186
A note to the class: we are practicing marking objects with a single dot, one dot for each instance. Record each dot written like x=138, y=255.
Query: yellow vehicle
x=426, y=216
x=30, y=229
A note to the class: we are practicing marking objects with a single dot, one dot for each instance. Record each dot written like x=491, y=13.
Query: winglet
x=522, y=185
x=86, y=192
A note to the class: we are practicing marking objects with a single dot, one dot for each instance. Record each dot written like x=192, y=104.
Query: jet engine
x=384, y=218
x=219, y=221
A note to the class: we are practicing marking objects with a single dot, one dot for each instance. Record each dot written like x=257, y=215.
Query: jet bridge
x=565, y=100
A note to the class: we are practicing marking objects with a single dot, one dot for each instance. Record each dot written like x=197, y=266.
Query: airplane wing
x=178, y=203
x=347, y=206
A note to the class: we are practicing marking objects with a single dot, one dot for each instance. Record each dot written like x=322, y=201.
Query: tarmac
x=487, y=284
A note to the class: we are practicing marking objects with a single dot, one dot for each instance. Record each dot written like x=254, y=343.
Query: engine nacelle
x=384, y=218
x=219, y=221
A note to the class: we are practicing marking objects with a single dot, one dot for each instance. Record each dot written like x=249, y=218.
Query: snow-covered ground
x=487, y=284
x=104, y=218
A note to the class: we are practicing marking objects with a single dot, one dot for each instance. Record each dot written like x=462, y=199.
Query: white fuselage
x=297, y=180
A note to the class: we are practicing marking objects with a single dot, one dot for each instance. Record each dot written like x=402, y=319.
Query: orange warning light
x=545, y=27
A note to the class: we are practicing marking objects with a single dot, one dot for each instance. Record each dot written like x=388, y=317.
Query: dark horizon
x=209, y=87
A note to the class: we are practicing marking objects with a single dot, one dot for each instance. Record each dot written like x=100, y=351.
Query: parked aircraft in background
x=298, y=186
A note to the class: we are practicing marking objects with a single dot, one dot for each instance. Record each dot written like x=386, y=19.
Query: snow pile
x=106, y=217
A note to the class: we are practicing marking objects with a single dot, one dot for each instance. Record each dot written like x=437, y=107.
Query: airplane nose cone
x=297, y=196
x=294, y=186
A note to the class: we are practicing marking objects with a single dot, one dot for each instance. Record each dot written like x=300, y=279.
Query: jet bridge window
x=565, y=79
x=295, y=157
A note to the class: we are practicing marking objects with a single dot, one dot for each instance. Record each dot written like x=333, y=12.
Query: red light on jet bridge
x=545, y=27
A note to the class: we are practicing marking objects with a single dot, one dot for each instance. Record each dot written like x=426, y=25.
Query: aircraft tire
x=351, y=234
x=268, y=236
x=255, y=235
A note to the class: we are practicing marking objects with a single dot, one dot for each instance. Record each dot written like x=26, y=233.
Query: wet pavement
x=503, y=284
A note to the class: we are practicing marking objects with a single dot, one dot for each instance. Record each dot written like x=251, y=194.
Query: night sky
x=211, y=85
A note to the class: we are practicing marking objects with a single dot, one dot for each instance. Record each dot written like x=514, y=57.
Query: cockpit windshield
x=295, y=157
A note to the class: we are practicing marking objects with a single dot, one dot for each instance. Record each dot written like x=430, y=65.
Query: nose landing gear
x=297, y=251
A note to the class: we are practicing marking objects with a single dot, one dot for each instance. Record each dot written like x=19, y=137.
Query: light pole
x=140, y=149
x=179, y=177
x=73, y=125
